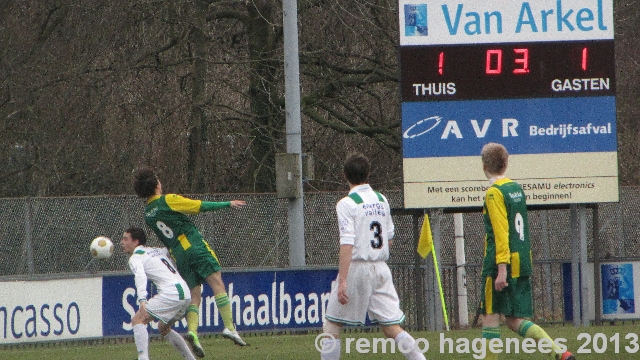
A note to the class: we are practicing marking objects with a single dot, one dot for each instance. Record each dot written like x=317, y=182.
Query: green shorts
x=195, y=261
x=515, y=300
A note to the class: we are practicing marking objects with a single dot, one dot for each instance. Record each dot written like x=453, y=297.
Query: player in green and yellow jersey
x=507, y=264
x=197, y=263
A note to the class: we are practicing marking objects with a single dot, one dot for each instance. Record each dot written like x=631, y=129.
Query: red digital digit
x=441, y=64
x=494, y=68
x=522, y=61
x=584, y=59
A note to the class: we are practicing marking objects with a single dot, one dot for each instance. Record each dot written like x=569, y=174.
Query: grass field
x=302, y=346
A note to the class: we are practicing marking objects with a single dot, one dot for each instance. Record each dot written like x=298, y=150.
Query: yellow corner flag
x=425, y=243
x=425, y=246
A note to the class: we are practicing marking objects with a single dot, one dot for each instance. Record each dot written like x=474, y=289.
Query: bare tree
x=90, y=90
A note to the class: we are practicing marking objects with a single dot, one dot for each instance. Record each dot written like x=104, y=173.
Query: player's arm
x=189, y=206
x=140, y=277
x=343, y=270
x=345, y=210
x=499, y=222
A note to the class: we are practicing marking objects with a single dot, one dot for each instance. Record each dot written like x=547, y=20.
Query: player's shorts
x=196, y=262
x=167, y=310
x=515, y=300
x=370, y=290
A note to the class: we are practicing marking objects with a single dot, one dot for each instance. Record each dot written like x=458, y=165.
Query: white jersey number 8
x=168, y=233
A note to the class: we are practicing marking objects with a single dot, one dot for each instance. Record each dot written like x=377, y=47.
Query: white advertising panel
x=33, y=311
x=426, y=22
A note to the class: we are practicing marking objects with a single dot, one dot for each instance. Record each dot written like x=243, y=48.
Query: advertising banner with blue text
x=260, y=300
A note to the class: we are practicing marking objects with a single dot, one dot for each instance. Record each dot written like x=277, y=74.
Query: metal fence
x=47, y=236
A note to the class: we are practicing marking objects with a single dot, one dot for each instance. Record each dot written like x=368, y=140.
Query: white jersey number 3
x=376, y=242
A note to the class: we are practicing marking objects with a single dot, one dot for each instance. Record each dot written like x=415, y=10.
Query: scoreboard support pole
x=596, y=265
x=575, y=265
x=584, y=286
x=579, y=286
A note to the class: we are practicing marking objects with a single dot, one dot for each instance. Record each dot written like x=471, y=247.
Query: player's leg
x=404, y=341
x=139, y=322
x=522, y=299
x=528, y=329
x=490, y=313
x=331, y=344
x=193, y=321
x=384, y=308
x=224, y=307
x=354, y=312
x=190, y=274
x=208, y=267
x=193, y=311
x=175, y=340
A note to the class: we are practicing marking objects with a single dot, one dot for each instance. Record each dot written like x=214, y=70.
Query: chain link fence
x=47, y=236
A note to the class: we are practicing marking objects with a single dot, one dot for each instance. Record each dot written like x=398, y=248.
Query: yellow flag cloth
x=425, y=243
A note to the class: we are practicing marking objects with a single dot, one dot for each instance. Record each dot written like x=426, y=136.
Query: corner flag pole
x=444, y=306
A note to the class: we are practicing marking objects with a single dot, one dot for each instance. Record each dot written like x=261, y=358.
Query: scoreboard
x=499, y=71
x=535, y=76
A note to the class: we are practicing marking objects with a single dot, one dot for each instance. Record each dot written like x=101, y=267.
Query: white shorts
x=370, y=290
x=167, y=310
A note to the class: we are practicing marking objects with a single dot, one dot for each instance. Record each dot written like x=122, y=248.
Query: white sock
x=327, y=353
x=180, y=345
x=141, y=337
x=408, y=342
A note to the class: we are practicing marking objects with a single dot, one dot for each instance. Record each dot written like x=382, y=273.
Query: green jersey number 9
x=519, y=223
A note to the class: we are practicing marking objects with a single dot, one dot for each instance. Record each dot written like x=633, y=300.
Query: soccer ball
x=101, y=247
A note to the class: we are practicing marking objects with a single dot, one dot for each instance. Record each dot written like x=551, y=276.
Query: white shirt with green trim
x=154, y=264
x=364, y=218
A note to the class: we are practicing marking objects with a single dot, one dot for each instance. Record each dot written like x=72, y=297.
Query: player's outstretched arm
x=238, y=203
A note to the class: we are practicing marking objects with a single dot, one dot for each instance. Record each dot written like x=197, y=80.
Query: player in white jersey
x=364, y=283
x=168, y=305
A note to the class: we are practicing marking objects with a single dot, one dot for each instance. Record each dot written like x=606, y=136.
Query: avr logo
x=452, y=128
x=422, y=127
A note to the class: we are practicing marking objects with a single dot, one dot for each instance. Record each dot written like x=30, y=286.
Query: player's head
x=137, y=233
x=132, y=238
x=356, y=169
x=145, y=183
x=494, y=159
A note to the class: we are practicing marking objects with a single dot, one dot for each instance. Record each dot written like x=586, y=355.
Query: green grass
x=302, y=346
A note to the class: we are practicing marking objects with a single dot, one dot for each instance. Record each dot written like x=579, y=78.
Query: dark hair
x=137, y=234
x=357, y=168
x=145, y=182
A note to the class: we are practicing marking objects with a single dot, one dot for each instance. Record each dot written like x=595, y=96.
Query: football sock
x=224, y=306
x=490, y=332
x=180, y=345
x=193, y=318
x=530, y=330
x=330, y=349
x=408, y=342
x=141, y=338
